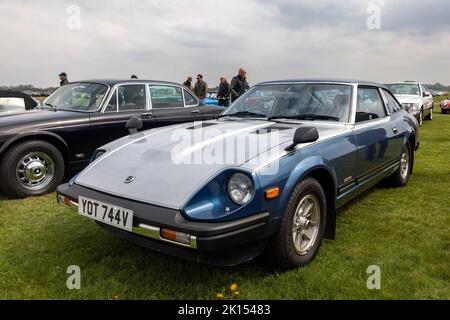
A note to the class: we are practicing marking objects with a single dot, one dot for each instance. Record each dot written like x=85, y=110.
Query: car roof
x=404, y=82
x=324, y=80
x=112, y=82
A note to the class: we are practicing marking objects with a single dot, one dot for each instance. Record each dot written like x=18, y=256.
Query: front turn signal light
x=272, y=193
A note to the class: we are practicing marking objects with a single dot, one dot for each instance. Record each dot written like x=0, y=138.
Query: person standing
x=223, y=95
x=188, y=83
x=63, y=79
x=239, y=85
x=201, y=87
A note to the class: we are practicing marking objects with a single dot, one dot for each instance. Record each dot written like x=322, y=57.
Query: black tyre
x=31, y=168
x=401, y=176
x=420, y=118
x=430, y=115
x=302, y=228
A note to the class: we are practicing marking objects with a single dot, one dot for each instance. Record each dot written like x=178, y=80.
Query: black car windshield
x=82, y=96
x=404, y=88
x=302, y=101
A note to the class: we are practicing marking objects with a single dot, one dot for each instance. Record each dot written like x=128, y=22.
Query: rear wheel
x=31, y=168
x=420, y=117
x=430, y=115
x=401, y=177
x=302, y=228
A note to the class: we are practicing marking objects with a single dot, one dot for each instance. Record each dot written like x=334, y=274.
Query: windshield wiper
x=49, y=104
x=242, y=113
x=307, y=117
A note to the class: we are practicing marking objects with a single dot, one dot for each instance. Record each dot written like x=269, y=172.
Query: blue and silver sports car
x=267, y=176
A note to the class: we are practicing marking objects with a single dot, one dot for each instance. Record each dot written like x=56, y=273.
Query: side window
x=392, y=104
x=424, y=90
x=369, y=105
x=112, y=103
x=131, y=97
x=164, y=96
x=189, y=100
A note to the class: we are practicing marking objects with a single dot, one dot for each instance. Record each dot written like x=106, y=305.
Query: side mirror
x=134, y=124
x=303, y=135
x=426, y=94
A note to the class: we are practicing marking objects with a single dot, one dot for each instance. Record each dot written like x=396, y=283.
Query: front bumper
x=219, y=243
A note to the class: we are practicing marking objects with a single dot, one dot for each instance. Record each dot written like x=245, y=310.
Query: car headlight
x=240, y=188
x=409, y=106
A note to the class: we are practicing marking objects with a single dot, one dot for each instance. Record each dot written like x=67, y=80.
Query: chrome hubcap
x=305, y=226
x=404, y=164
x=35, y=170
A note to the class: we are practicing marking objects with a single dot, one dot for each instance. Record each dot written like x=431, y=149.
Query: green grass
x=405, y=231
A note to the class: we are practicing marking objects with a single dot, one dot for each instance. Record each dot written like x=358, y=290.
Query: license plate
x=107, y=213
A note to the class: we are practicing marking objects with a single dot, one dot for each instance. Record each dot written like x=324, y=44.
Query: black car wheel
x=31, y=168
x=420, y=117
x=401, y=176
x=302, y=228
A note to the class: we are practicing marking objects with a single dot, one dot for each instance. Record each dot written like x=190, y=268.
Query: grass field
x=406, y=232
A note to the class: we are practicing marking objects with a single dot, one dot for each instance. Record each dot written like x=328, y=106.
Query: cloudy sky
x=168, y=40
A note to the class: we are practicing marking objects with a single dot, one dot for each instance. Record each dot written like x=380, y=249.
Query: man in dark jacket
x=188, y=83
x=201, y=87
x=223, y=95
x=63, y=79
x=239, y=85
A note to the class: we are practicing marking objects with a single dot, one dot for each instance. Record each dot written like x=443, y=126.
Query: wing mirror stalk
x=303, y=135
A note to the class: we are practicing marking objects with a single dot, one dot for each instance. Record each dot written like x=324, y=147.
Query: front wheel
x=302, y=228
x=420, y=118
x=31, y=168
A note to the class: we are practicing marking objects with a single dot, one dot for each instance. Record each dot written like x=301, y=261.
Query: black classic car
x=38, y=148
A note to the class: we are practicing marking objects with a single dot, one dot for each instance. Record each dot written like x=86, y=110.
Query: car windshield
x=330, y=102
x=82, y=96
x=404, y=88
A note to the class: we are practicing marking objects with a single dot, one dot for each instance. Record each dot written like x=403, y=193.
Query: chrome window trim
x=193, y=96
x=119, y=84
x=175, y=86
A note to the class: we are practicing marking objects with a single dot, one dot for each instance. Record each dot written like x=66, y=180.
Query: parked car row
x=326, y=141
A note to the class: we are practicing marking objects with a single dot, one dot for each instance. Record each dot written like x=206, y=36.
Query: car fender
x=18, y=137
x=302, y=170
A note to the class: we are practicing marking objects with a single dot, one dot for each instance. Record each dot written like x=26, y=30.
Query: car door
x=375, y=134
x=125, y=101
x=172, y=105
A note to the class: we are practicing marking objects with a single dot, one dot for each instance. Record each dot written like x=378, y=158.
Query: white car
x=414, y=97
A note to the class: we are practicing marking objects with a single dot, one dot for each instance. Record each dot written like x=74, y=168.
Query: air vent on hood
x=270, y=129
x=201, y=125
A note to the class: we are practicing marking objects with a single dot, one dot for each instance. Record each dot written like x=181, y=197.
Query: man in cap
x=63, y=79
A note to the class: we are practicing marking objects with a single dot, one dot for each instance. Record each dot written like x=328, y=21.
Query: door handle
x=195, y=111
x=147, y=115
x=395, y=129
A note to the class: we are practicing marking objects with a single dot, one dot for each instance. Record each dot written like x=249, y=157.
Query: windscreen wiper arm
x=242, y=113
x=307, y=117
x=49, y=104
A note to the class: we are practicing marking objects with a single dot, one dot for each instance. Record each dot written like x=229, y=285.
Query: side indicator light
x=272, y=193
x=172, y=235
